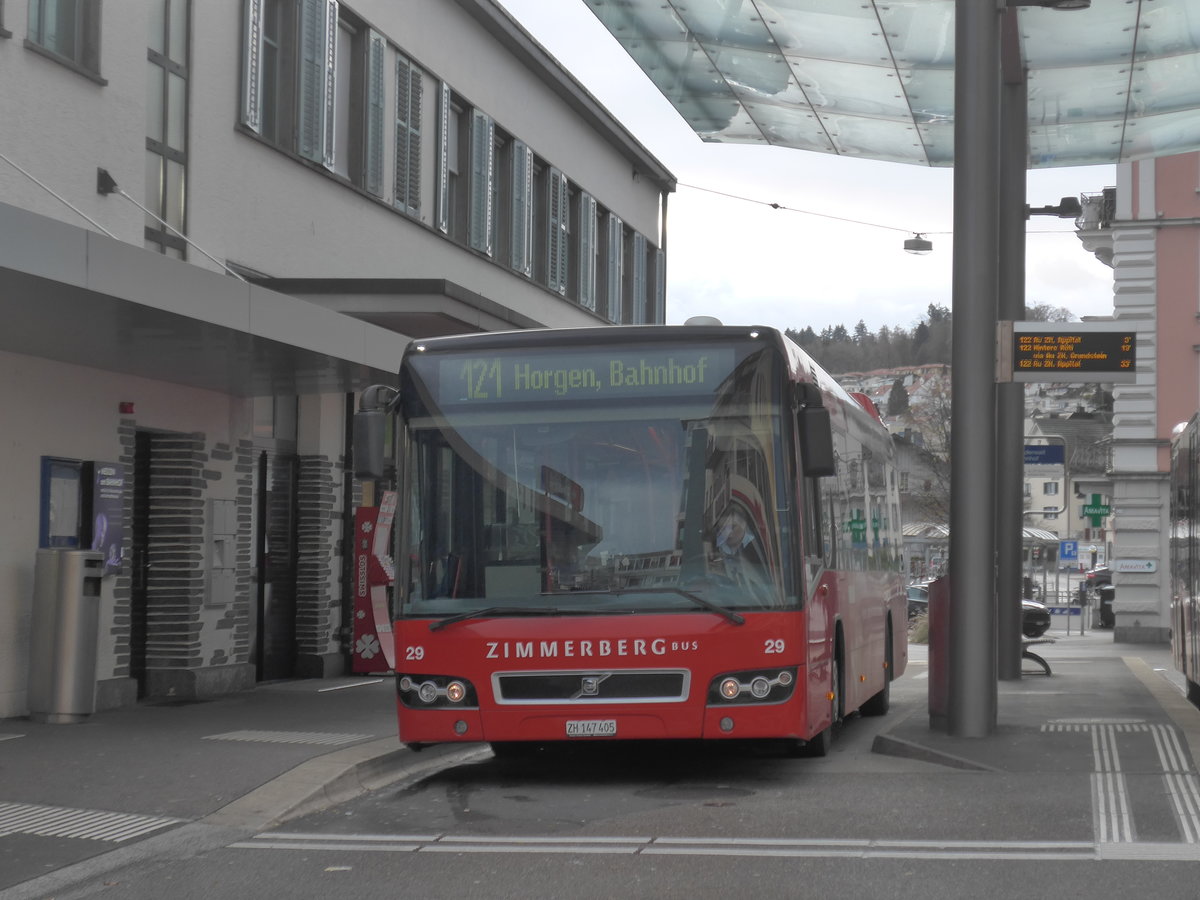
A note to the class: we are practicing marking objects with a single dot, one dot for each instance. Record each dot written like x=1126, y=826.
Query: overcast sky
x=746, y=263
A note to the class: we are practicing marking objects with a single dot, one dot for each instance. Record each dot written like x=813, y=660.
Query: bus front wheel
x=821, y=744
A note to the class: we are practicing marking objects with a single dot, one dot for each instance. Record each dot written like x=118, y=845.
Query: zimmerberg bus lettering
x=582, y=649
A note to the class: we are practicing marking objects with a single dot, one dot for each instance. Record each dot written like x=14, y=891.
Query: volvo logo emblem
x=589, y=685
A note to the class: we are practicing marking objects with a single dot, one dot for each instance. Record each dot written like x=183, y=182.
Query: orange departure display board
x=1066, y=352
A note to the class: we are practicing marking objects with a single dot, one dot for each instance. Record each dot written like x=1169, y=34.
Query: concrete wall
x=52, y=409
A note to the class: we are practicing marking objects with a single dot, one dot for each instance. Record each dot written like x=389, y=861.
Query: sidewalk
x=1095, y=684
x=244, y=760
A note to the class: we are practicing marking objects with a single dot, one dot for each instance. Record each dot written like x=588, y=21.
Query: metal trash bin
x=65, y=627
x=1108, y=593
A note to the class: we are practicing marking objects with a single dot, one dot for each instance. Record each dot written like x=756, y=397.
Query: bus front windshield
x=665, y=505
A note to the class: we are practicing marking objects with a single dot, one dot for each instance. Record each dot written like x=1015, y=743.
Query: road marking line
x=289, y=737
x=88, y=824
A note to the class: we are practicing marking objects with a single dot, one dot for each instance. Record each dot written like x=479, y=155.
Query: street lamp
x=1068, y=208
x=918, y=245
x=1053, y=4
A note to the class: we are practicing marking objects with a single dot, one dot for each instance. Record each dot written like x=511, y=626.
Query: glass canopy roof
x=875, y=78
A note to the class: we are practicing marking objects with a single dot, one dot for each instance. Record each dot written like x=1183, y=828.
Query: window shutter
x=375, y=53
x=556, y=250
x=483, y=156
x=331, y=30
x=408, y=136
x=638, y=278
x=589, y=249
x=659, y=314
x=252, y=68
x=521, y=224
x=444, y=113
x=615, y=266
x=314, y=54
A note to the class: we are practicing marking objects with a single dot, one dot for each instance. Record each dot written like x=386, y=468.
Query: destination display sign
x=583, y=375
x=1067, y=352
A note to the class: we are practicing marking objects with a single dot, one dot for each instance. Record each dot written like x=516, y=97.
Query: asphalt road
x=611, y=821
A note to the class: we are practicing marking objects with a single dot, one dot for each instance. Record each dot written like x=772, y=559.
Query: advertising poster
x=372, y=650
x=107, y=512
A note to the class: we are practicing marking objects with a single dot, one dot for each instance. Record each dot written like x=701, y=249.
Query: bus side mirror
x=368, y=443
x=816, y=441
x=370, y=431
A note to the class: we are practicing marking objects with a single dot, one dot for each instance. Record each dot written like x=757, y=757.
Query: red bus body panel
x=703, y=645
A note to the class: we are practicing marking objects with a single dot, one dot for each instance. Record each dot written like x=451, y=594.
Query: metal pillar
x=1010, y=397
x=972, y=650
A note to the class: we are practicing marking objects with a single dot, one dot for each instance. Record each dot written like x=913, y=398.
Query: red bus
x=1185, y=554
x=646, y=532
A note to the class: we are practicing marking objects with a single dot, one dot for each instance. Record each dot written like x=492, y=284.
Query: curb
x=336, y=777
x=890, y=745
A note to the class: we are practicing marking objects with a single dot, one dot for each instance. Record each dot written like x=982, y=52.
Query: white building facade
x=218, y=222
x=1150, y=229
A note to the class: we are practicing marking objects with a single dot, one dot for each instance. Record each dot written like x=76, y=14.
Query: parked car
x=1098, y=577
x=1035, y=618
x=918, y=599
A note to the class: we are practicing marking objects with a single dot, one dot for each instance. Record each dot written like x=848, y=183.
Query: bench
x=1026, y=653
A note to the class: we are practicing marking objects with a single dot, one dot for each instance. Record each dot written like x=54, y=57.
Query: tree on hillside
x=931, y=499
x=897, y=401
x=1044, y=312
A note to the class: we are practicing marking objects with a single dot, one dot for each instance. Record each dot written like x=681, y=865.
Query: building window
x=466, y=173
x=1050, y=487
x=313, y=85
x=453, y=165
x=166, y=125
x=68, y=30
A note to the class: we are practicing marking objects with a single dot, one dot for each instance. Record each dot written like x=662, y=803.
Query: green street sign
x=857, y=526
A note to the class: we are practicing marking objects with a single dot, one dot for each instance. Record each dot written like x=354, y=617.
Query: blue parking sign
x=1068, y=550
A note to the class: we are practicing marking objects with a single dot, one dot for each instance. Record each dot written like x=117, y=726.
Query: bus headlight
x=435, y=692
x=427, y=692
x=757, y=686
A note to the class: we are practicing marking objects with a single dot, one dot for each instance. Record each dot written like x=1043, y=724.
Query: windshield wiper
x=497, y=611
x=735, y=618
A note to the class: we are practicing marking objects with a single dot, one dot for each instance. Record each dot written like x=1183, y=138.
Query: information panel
x=586, y=374
x=1066, y=352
